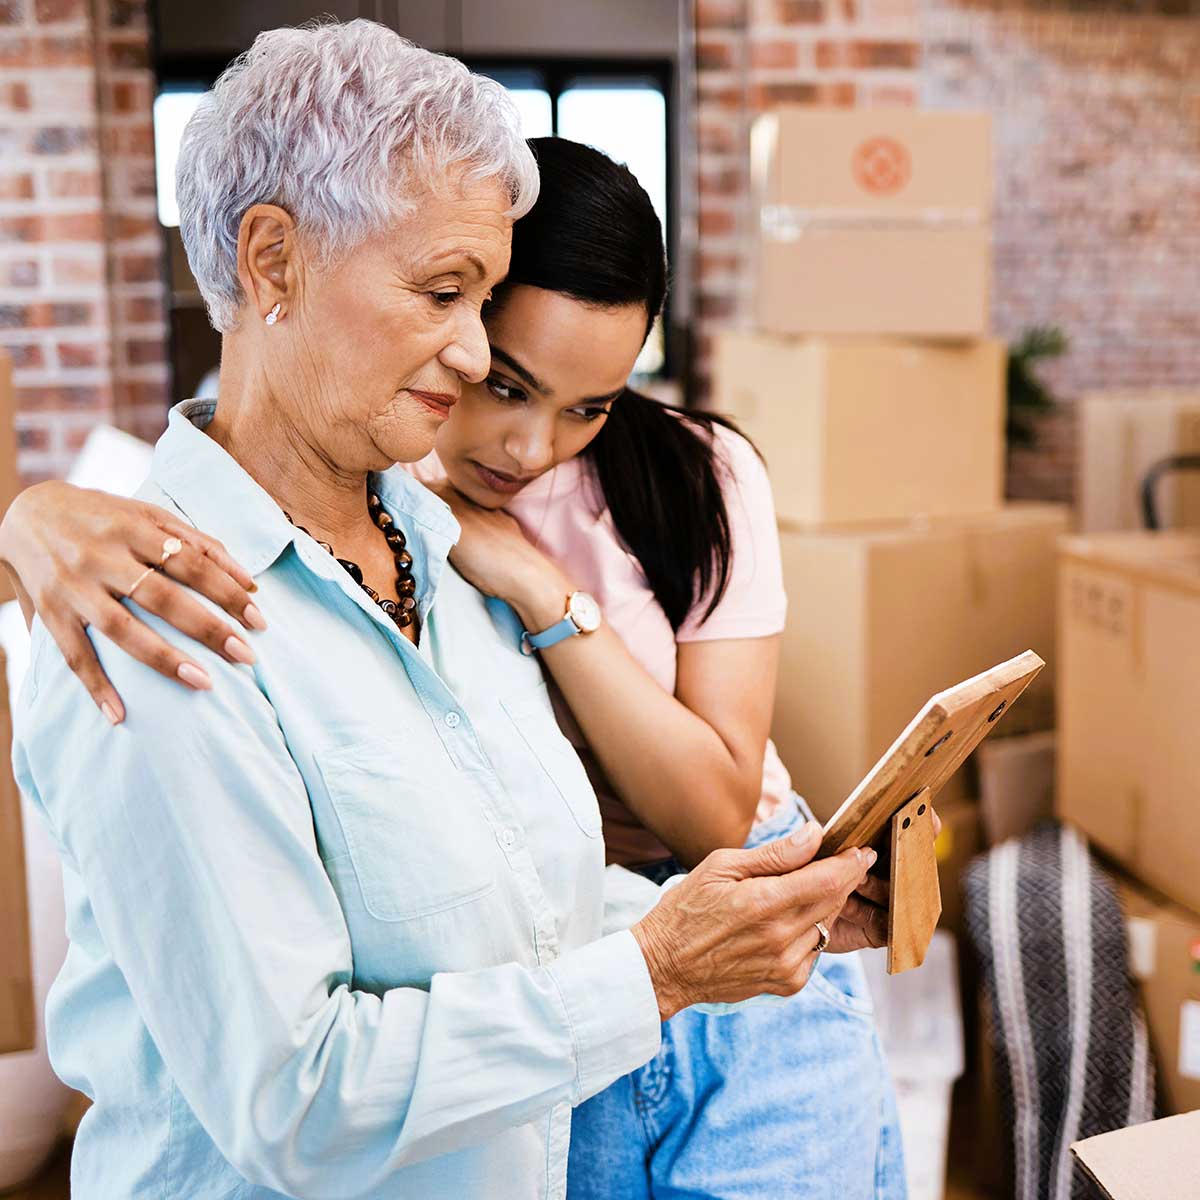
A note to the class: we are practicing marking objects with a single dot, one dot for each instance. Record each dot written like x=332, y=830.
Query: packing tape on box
x=789, y=222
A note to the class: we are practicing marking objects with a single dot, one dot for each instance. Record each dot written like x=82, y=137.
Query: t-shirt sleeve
x=754, y=603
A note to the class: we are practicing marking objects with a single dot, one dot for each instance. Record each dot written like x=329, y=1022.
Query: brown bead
x=403, y=560
x=383, y=519
x=406, y=586
x=395, y=539
x=408, y=602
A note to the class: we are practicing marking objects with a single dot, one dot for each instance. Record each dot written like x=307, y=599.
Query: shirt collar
x=215, y=493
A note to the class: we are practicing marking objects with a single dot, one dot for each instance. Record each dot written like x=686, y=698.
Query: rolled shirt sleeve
x=190, y=832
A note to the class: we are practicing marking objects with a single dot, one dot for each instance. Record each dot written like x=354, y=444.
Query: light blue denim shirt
x=341, y=926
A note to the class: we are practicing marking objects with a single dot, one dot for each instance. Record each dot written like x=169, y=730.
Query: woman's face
x=386, y=338
x=558, y=365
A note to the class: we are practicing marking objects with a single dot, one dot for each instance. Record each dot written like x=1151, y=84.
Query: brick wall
x=1097, y=167
x=81, y=291
x=1097, y=152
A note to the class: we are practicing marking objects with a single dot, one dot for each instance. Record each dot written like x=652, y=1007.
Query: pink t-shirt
x=564, y=514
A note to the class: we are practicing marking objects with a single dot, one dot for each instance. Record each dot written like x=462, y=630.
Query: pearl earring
x=273, y=315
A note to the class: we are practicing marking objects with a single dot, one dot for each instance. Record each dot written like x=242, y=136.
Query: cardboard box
x=1121, y=435
x=1129, y=698
x=867, y=429
x=1016, y=784
x=960, y=840
x=10, y=481
x=872, y=221
x=1154, y=1161
x=881, y=618
x=1164, y=957
x=17, y=1026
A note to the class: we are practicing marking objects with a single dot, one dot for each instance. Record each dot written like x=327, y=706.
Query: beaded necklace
x=404, y=612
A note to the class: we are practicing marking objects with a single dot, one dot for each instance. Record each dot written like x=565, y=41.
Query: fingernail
x=805, y=835
x=253, y=617
x=252, y=586
x=871, y=857
x=110, y=713
x=236, y=649
x=194, y=676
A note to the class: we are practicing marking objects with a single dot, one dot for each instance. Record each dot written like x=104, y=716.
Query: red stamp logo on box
x=882, y=166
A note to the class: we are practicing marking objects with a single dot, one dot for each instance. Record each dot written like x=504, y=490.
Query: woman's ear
x=269, y=262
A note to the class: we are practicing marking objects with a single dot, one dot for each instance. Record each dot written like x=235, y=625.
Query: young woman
x=565, y=482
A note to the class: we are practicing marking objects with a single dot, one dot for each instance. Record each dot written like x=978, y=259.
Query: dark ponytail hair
x=594, y=235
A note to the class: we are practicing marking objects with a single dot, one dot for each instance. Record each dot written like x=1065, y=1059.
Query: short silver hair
x=334, y=123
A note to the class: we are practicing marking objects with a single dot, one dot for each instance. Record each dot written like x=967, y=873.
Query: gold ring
x=139, y=581
x=822, y=937
x=171, y=546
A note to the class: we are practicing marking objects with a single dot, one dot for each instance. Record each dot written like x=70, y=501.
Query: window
x=173, y=109
x=621, y=109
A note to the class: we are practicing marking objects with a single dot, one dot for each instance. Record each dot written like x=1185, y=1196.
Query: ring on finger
x=139, y=581
x=822, y=937
x=171, y=546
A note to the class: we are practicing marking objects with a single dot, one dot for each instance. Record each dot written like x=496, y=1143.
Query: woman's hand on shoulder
x=495, y=556
x=75, y=554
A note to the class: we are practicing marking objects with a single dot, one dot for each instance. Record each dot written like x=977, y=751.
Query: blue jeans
x=788, y=1101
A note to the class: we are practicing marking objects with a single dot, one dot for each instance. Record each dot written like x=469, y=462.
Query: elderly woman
x=340, y=924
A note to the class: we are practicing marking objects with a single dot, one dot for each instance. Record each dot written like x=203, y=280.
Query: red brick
x=726, y=181
x=714, y=53
x=62, y=50
x=140, y=268
x=51, y=12
x=20, y=229
x=828, y=54
x=12, y=12
x=18, y=186
x=73, y=183
x=14, y=96
x=124, y=227
x=72, y=227
x=33, y=439
x=774, y=54
x=26, y=356
x=714, y=137
x=63, y=139
x=78, y=269
x=128, y=52
x=802, y=12
x=16, y=52
x=721, y=307
x=83, y=354
x=143, y=310
x=144, y=351
x=716, y=222
x=19, y=273
x=89, y=398
x=875, y=54
x=720, y=14
x=768, y=95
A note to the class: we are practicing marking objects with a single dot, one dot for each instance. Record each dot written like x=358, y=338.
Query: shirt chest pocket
x=533, y=719
x=416, y=846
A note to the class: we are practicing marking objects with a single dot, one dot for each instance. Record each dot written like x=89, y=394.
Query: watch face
x=585, y=612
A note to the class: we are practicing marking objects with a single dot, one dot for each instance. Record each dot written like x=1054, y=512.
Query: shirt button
x=508, y=838
x=452, y=720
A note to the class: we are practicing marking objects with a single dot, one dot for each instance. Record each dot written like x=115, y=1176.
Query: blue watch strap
x=549, y=637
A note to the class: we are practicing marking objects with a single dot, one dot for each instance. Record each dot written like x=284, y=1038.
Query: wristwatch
x=582, y=616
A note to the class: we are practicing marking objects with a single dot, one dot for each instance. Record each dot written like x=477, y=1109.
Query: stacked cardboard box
x=1121, y=435
x=871, y=386
x=879, y=403
x=1129, y=762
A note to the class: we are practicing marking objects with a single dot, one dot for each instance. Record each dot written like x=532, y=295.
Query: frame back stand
x=916, y=899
